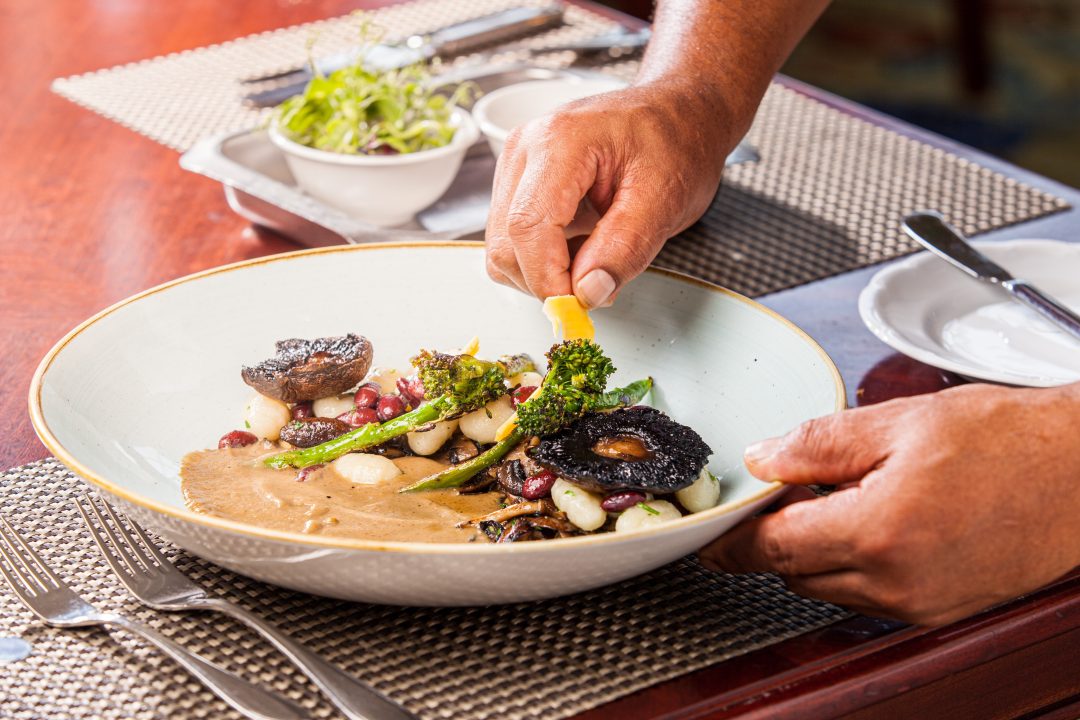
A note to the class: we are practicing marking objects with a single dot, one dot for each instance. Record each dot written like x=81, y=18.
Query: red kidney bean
x=389, y=407
x=411, y=389
x=237, y=439
x=522, y=394
x=358, y=417
x=304, y=472
x=367, y=395
x=538, y=485
x=621, y=500
x=301, y=411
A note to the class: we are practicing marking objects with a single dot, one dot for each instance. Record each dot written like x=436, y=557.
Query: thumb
x=624, y=242
x=833, y=449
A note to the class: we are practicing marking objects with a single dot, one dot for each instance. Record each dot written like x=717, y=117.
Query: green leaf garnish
x=648, y=508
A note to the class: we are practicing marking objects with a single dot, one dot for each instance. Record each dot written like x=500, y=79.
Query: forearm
x=729, y=49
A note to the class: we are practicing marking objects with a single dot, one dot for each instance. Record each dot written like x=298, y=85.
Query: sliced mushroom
x=639, y=449
x=308, y=432
x=306, y=370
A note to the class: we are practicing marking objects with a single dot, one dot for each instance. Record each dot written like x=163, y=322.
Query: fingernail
x=595, y=288
x=760, y=452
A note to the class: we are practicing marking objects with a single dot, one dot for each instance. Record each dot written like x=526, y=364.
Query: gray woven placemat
x=546, y=659
x=826, y=197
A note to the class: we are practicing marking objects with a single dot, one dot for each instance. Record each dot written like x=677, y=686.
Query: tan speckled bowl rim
x=41, y=427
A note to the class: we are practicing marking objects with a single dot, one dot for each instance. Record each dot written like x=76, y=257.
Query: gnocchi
x=481, y=425
x=331, y=407
x=582, y=507
x=647, y=514
x=264, y=417
x=365, y=469
x=429, y=441
x=703, y=494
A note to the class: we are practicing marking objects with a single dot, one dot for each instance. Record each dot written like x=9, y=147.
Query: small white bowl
x=384, y=190
x=502, y=110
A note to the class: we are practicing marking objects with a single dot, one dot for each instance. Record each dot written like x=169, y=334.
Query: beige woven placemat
x=545, y=659
x=826, y=197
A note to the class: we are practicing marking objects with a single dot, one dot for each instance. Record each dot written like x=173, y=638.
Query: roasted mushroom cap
x=311, y=369
x=633, y=449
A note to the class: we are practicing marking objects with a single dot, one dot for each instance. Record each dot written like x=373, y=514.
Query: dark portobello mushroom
x=306, y=370
x=636, y=448
x=308, y=432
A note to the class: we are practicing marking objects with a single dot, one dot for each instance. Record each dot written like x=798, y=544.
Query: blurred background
x=1000, y=75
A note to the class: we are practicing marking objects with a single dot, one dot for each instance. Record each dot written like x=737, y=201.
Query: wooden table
x=91, y=213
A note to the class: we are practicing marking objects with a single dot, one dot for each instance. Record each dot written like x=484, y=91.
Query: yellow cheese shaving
x=506, y=428
x=472, y=347
x=569, y=318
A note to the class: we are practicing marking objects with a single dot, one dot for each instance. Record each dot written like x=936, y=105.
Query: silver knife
x=932, y=232
x=464, y=37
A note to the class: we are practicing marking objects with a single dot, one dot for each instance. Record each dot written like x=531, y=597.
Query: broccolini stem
x=632, y=394
x=458, y=475
x=362, y=437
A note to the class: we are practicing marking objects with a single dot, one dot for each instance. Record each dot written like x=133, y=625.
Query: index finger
x=545, y=202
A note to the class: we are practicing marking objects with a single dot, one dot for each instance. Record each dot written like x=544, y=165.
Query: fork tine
x=18, y=585
x=28, y=552
x=130, y=537
x=116, y=554
x=153, y=548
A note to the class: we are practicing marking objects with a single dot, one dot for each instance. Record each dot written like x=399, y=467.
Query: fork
x=47, y=596
x=156, y=582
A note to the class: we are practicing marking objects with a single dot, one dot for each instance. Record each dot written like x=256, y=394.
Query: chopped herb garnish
x=648, y=508
x=247, y=424
x=569, y=492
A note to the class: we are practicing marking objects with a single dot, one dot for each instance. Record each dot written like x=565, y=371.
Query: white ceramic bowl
x=126, y=394
x=502, y=110
x=929, y=310
x=384, y=190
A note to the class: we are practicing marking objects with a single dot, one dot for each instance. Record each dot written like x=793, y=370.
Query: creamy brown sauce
x=235, y=485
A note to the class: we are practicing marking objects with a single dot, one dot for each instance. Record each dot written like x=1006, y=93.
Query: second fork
x=156, y=582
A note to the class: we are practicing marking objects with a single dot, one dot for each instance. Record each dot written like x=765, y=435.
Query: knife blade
x=450, y=41
x=931, y=231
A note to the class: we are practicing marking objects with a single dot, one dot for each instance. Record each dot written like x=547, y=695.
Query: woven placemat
x=826, y=197
x=544, y=659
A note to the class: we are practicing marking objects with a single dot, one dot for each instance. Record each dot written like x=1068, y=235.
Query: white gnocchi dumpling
x=703, y=494
x=385, y=378
x=582, y=507
x=429, y=441
x=331, y=407
x=365, y=469
x=646, y=514
x=481, y=425
x=264, y=416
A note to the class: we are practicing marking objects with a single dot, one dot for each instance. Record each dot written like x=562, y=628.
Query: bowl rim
x=498, y=132
x=873, y=301
x=467, y=133
x=53, y=444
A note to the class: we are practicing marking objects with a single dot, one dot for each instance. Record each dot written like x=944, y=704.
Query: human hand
x=949, y=503
x=648, y=160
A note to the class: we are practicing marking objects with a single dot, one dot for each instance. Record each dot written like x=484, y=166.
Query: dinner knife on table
x=458, y=39
x=931, y=231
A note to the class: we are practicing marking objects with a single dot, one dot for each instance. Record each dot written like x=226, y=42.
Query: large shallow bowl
x=126, y=394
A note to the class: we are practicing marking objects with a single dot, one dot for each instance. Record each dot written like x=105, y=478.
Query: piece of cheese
x=472, y=347
x=569, y=318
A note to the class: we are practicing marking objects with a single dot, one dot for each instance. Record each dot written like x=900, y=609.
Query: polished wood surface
x=91, y=213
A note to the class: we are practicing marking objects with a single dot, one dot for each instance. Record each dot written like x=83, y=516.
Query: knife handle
x=1045, y=305
x=498, y=27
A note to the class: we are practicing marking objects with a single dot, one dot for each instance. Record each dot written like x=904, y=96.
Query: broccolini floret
x=463, y=383
x=578, y=371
